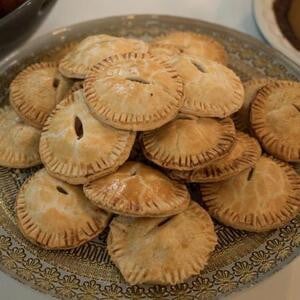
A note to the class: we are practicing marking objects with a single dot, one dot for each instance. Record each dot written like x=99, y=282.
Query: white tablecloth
x=236, y=14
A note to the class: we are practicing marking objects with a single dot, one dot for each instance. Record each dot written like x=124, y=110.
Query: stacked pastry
x=121, y=126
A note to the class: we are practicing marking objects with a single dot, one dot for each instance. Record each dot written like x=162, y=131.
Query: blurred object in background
x=19, y=19
x=279, y=22
x=287, y=14
x=7, y=6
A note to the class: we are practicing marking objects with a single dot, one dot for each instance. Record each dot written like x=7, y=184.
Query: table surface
x=237, y=14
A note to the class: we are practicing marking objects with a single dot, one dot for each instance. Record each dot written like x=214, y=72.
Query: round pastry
x=188, y=142
x=162, y=250
x=55, y=215
x=261, y=198
x=210, y=88
x=242, y=117
x=244, y=153
x=93, y=49
x=195, y=44
x=33, y=93
x=138, y=190
x=275, y=119
x=77, y=148
x=19, y=147
x=134, y=91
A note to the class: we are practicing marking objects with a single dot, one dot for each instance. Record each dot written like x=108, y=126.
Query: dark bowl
x=21, y=22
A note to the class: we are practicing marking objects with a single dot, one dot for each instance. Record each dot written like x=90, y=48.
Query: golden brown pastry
x=134, y=91
x=55, y=215
x=162, y=250
x=195, y=44
x=210, y=88
x=138, y=190
x=275, y=119
x=244, y=154
x=93, y=49
x=261, y=198
x=77, y=148
x=242, y=117
x=19, y=146
x=188, y=142
x=33, y=93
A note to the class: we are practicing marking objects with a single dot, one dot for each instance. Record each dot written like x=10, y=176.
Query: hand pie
x=195, y=44
x=134, y=91
x=19, y=147
x=275, y=119
x=55, y=215
x=77, y=148
x=244, y=154
x=210, y=88
x=188, y=142
x=242, y=117
x=93, y=49
x=138, y=190
x=33, y=93
x=261, y=198
x=162, y=250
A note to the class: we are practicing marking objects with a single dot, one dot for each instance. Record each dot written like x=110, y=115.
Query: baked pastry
x=19, y=147
x=55, y=215
x=33, y=93
x=244, y=153
x=261, y=198
x=195, y=44
x=275, y=119
x=164, y=250
x=76, y=148
x=134, y=91
x=242, y=117
x=164, y=51
x=138, y=190
x=93, y=49
x=210, y=88
x=188, y=142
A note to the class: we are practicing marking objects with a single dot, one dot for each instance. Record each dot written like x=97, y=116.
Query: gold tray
x=240, y=258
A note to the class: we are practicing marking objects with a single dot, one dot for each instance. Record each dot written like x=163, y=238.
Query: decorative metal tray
x=240, y=258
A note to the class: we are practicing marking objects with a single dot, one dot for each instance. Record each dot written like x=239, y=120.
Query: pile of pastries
x=122, y=126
